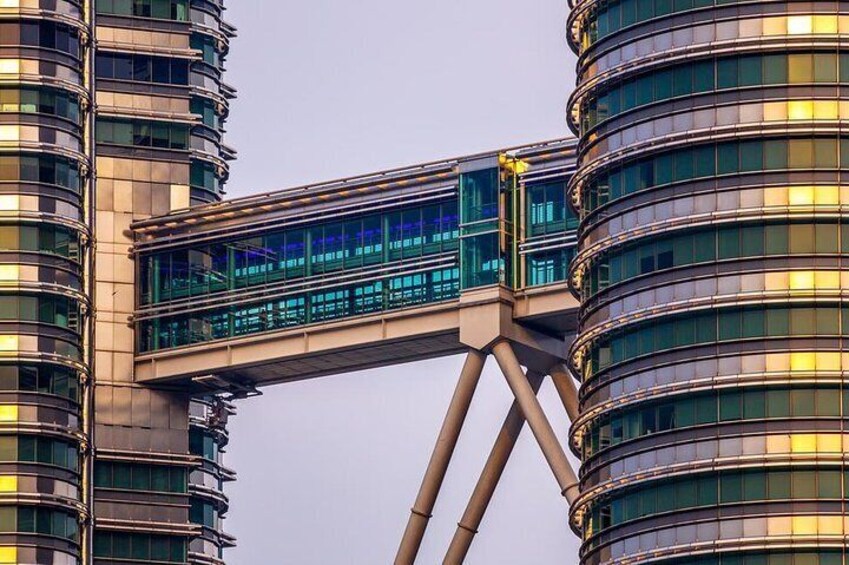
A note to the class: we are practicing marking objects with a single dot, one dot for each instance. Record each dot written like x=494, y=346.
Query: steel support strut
x=490, y=476
x=458, y=408
x=566, y=389
x=541, y=428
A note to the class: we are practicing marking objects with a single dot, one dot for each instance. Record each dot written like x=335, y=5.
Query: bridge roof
x=263, y=211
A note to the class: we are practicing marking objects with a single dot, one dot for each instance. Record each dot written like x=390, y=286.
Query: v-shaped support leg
x=468, y=526
x=437, y=467
x=541, y=428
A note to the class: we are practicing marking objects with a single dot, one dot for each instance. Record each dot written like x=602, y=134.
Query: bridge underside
x=351, y=345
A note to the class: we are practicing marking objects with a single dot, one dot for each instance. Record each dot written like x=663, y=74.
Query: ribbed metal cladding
x=710, y=271
x=44, y=296
x=208, y=438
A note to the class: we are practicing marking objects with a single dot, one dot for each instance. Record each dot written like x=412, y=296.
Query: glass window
x=731, y=488
x=801, y=67
x=779, y=485
x=828, y=484
x=479, y=194
x=754, y=486
x=727, y=160
x=804, y=484
x=778, y=403
x=825, y=153
x=750, y=72
x=727, y=70
x=775, y=154
x=775, y=69
x=825, y=67
x=801, y=153
x=802, y=238
x=751, y=156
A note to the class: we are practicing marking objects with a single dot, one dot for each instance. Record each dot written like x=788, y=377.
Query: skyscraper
x=153, y=69
x=711, y=277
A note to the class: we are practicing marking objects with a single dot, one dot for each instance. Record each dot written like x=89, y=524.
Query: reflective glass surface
x=715, y=326
x=692, y=247
x=709, y=160
x=161, y=9
x=713, y=74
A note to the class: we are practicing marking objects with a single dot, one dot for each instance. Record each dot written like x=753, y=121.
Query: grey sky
x=329, y=88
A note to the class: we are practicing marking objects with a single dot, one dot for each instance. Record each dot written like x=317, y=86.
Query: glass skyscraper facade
x=141, y=482
x=711, y=277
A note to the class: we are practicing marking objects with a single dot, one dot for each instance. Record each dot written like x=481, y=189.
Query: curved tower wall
x=711, y=274
x=45, y=300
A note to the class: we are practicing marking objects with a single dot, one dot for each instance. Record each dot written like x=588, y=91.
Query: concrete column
x=541, y=428
x=491, y=475
x=566, y=389
x=441, y=457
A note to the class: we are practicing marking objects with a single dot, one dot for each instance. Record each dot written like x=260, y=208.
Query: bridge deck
x=364, y=342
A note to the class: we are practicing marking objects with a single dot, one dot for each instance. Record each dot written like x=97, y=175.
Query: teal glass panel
x=547, y=210
x=479, y=192
x=481, y=260
x=546, y=267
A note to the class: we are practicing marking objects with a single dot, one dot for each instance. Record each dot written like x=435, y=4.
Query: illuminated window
x=800, y=25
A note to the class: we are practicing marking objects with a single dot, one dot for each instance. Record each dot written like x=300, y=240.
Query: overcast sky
x=328, y=469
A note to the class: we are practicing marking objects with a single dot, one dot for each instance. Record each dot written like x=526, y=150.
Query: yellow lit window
x=827, y=195
x=801, y=195
x=774, y=111
x=830, y=525
x=779, y=525
x=804, y=525
x=829, y=443
x=8, y=343
x=9, y=202
x=8, y=483
x=828, y=361
x=775, y=26
x=8, y=554
x=803, y=361
x=10, y=272
x=803, y=443
x=801, y=280
x=778, y=444
x=812, y=195
x=827, y=280
x=800, y=25
x=10, y=66
x=800, y=109
x=825, y=24
x=8, y=413
x=826, y=110
x=10, y=133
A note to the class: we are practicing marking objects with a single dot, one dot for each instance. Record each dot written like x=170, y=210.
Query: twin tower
x=710, y=269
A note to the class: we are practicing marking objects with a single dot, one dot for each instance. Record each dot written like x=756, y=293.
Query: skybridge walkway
x=381, y=269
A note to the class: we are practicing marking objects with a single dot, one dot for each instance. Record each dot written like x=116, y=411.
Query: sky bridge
x=375, y=270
